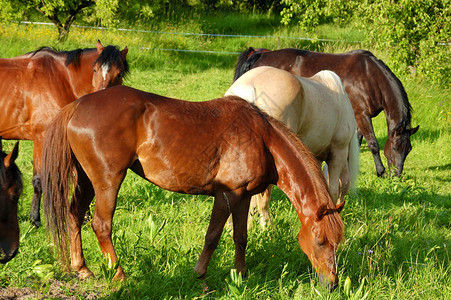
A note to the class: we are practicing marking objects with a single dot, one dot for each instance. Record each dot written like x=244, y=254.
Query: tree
x=54, y=10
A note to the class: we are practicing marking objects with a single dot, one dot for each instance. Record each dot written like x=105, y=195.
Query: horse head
x=398, y=147
x=10, y=190
x=110, y=67
x=319, y=237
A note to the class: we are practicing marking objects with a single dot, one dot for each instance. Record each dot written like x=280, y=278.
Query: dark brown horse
x=370, y=84
x=10, y=190
x=36, y=85
x=225, y=148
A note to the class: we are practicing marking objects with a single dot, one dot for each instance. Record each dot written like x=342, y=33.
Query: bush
x=415, y=34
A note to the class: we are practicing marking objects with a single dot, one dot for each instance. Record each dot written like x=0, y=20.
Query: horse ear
x=413, y=130
x=11, y=157
x=99, y=46
x=340, y=206
x=124, y=53
x=322, y=211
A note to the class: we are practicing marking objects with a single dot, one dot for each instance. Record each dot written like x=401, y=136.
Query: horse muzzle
x=330, y=281
x=4, y=258
x=7, y=252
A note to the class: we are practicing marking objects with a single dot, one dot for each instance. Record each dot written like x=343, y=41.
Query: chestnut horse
x=10, y=190
x=318, y=110
x=225, y=148
x=370, y=84
x=38, y=84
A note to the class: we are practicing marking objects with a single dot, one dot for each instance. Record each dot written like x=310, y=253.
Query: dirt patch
x=57, y=289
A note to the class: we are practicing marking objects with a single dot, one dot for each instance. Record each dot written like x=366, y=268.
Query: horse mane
x=396, y=85
x=72, y=56
x=245, y=63
x=332, y=226
x=111, y=56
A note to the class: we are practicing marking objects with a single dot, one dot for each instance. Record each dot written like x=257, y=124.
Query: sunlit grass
x=398, y=231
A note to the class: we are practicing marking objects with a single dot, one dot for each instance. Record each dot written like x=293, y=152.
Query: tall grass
x=398, y=230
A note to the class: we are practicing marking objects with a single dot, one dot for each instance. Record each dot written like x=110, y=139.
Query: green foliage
x=236, y=285
x=108, y=269
x=358, y=293
x=415, y=34
x=60, y=12
x=309, y=14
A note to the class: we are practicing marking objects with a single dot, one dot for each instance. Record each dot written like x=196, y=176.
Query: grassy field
x=398, y=230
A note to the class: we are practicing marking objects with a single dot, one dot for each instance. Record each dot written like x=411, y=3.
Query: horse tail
x=353, y=161
x=245, y=62
x=57, y=166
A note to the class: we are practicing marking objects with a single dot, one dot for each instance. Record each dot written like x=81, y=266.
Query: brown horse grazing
x=10, y=190
x=370, y=84
x=225, y=148
x=38, y=84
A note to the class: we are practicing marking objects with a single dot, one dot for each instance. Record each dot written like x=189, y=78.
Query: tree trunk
x=63, y=31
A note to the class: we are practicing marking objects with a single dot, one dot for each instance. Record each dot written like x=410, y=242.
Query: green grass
x=398, y=231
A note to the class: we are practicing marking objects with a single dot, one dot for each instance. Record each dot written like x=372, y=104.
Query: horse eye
x=320, y=243
x=94, y=70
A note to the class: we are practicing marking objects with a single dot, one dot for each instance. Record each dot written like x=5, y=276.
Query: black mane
x=72, y=56
x=111, y=55
x=245, y=63
x=405, y=121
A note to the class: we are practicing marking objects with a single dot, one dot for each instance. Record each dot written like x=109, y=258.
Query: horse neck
x=300, y=176
x=80, y=76
x=395, y=102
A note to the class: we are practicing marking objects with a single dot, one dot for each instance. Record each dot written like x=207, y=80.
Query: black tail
x=245, y=62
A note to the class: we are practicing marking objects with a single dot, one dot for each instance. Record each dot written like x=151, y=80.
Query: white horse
x=318, y=110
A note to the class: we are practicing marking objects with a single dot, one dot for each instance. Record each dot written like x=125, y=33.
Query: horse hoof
x=381, y=174
x=35, y=223
x=85, y=274
x=120, y=276
x=200, y=273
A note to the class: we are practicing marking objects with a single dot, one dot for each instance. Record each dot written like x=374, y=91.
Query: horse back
x=367, y=80
x=178, y=145
x=33, y=90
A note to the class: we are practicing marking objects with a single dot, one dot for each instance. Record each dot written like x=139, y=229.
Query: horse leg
x=102, y=221
x=336, y=164
x=366, y=127
x=239, y=215
x=35, y=215
x=254, y=203
x=263, y=207
x=359, y=136
x=81, y=199
x=345, y=183
x=221, y=211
